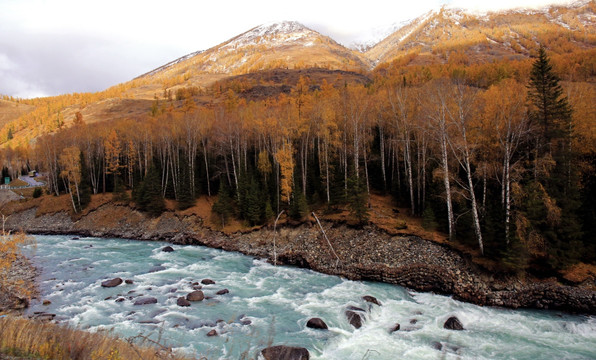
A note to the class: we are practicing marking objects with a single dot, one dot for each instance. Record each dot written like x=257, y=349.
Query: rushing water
x=278, y=301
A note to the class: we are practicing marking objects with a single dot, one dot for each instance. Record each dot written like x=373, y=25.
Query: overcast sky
x=51, y=47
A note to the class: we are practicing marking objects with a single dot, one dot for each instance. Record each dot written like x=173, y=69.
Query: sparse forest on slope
x=467, y=146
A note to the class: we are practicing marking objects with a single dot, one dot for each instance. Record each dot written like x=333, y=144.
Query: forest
x=498, y=156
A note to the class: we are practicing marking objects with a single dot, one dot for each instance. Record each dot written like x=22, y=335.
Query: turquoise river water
x=278, y=301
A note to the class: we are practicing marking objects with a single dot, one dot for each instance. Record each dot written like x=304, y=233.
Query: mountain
x=287, y=44
x=481, y=37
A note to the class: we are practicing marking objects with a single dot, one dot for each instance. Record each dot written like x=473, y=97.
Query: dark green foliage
x=358, y=200
x=299, y=207
x=268, y=213
x=552, y=205
x=223, y=207
x=119, y=191
x=551, y=110
x=37, y=192
x=148, y=195
x=429, y=221
x=253, y=204
x=85, y=185
x=185, y=197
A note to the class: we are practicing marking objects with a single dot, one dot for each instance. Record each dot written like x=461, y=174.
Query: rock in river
x=182, y=302
x=371, y=299
x=111, y=283
x=282, y=352
x=316, y=323
x=196, y=295
x=453, y=323
x=145, y=301
x=222, y=292
x=167, y=249
x=207, y=282
x=354, y=318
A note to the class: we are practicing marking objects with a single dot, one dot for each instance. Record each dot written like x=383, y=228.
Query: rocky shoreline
x=20, y=270
x=357, y=254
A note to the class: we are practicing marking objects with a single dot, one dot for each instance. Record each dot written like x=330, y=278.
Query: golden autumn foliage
x=9, y=253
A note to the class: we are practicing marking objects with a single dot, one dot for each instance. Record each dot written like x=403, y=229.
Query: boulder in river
x=453, y=323
x=354, y=318
x=167, y=249
x=395, y=328
x=207, y=282
x=371, y=299
x=111, y=283
x=316, y=323
x=46, y=302
x=120, y=299
x=196, y=295
x=128, y=281
x=212, y=333
x=222, y=292
x=182, y=301
x=145, y=301
x=282, y=352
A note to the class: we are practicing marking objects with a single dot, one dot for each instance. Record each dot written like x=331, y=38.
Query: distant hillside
x=514, y=34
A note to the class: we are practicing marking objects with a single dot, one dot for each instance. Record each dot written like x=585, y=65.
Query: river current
x=269, y=304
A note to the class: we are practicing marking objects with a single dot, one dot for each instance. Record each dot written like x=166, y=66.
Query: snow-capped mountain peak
x=275, y=34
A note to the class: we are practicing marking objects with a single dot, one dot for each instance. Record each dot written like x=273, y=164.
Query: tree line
x=505, y=168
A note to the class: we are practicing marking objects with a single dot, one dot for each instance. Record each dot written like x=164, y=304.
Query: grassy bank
x=32, y=339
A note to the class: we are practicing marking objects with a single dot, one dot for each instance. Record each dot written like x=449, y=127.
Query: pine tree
x=223, y=207
x=551, y=112
x=299, y=206
x=358, y=200
x=148, y=195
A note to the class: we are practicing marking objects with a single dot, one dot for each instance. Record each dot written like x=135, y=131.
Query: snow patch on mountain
x=274, y=35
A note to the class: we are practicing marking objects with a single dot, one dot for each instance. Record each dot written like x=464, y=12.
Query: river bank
x=357, y=254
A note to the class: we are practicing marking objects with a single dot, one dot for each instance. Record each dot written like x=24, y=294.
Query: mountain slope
x=286, y=44
x=510, y=34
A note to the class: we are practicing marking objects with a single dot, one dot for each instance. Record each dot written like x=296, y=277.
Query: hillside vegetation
x=497, y=152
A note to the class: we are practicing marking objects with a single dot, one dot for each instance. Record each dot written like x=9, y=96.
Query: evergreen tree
x=551, y=111
x=558, y=195
x=148, y=195
x=299, y=206
x=358, y=200
x=185, y=198
x=223, y=207
x=252, y=206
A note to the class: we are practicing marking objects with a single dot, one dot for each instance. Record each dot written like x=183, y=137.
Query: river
x=269, y=304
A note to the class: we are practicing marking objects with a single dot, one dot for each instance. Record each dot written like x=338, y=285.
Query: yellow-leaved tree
x=286, y=163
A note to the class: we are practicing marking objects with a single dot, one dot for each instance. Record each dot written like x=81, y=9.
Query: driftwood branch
x=326, y=238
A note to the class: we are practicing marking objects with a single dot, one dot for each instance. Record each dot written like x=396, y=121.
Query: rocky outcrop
x=282, y=352
x=364, y=254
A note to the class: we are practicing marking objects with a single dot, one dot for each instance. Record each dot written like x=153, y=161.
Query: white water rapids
x=271, y=305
